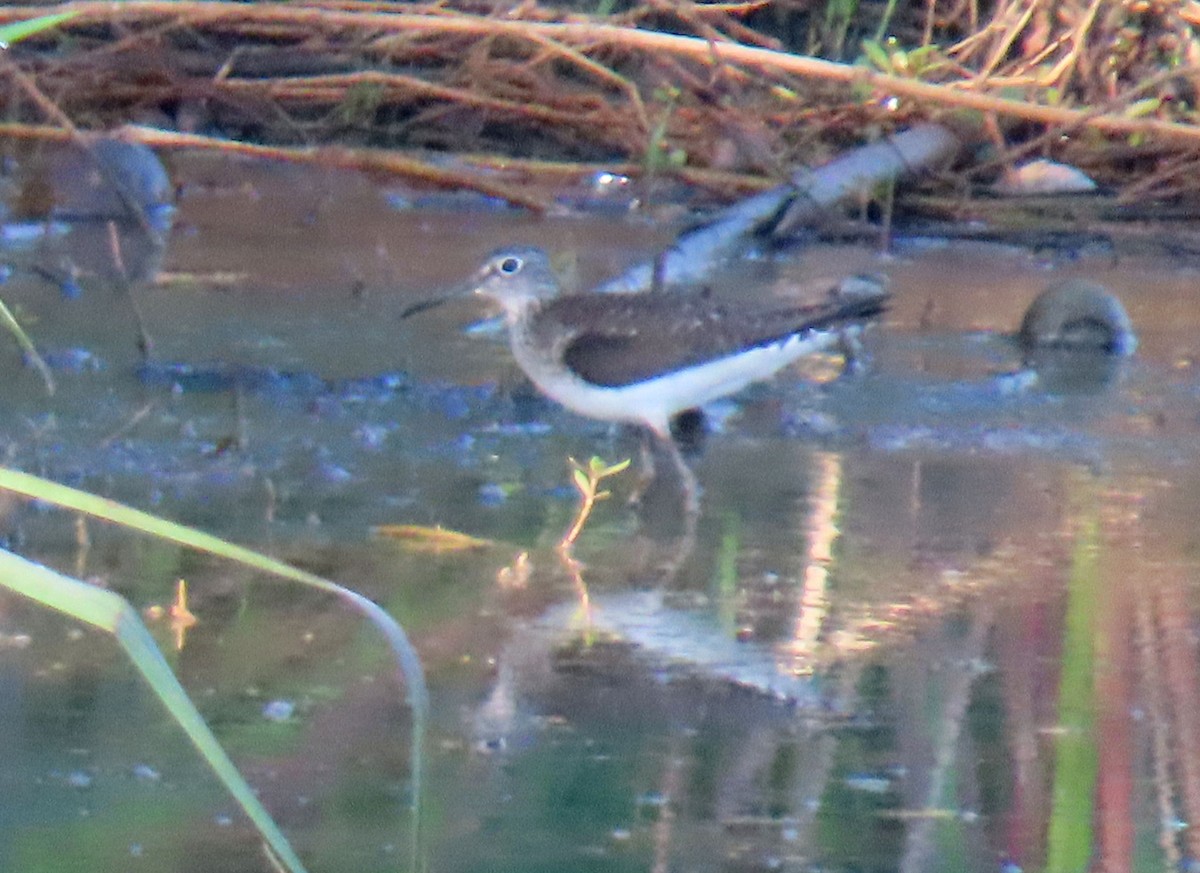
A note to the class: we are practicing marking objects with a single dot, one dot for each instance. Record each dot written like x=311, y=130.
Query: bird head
x=517, y=279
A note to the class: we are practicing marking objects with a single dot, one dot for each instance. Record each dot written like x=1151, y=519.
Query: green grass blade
x=110, y=612
x=27, y=346
x=408, y=663
x=21, y=29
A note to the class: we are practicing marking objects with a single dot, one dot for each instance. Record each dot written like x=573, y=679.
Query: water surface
x=936, y=616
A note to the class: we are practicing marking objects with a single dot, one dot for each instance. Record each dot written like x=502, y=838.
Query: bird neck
x=519, y=313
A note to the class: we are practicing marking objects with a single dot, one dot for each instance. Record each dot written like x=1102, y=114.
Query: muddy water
x=939, y=616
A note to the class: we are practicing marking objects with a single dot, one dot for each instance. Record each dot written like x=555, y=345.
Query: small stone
x=278, y=710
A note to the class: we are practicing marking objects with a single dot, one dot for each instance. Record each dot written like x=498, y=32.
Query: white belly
x=656, y=401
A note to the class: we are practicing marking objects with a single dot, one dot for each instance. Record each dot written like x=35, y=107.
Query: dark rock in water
x=1078, y=315
x=68, y=285
x=73, y=360
x=110, y=204
x=105, y=178
x=220, y=376
x=186, y=377
x=319, y=397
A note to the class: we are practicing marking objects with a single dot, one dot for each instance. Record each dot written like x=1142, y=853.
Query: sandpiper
x=644, y=358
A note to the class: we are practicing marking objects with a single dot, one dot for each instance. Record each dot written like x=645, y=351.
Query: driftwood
x=780, y=210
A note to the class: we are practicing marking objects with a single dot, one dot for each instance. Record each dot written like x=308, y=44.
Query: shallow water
x=936, y=616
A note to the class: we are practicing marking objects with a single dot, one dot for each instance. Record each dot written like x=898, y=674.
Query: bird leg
x=688, y=485
x=851, y=348
x=145, y=345
x=690, y=489
x=646, y=469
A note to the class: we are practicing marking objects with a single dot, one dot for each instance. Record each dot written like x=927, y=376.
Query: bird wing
x=619, y=339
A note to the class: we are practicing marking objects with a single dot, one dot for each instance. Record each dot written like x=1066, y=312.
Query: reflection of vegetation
x=1070, y=840
x=725, y=571
x=988, y=726
x=580, y=792
x=853, y=828
x=783, y=767
x=135, y=823
x=180, y=617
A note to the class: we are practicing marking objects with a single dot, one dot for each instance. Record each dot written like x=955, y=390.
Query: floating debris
x=1042, y=177
x=419, y=538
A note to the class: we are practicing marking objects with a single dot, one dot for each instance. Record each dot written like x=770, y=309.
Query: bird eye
x=508, y=266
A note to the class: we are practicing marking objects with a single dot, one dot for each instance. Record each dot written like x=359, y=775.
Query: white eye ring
x=509, y=265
